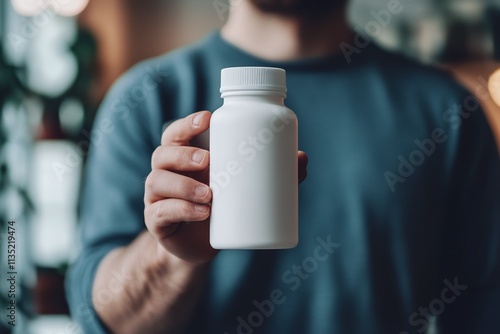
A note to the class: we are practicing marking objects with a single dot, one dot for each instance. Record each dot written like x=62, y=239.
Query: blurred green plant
x=12, y=91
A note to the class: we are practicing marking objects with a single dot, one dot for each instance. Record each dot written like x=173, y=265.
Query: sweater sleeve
x=471, y=241
x=126, y=131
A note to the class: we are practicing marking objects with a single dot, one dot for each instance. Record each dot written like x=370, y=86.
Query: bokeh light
x=29, y=7
x=494, y=87
x=61, y=7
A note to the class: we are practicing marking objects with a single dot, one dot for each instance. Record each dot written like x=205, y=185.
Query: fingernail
x=198, y=156
x=201, y=208
x=197, y=119
x=201, y=191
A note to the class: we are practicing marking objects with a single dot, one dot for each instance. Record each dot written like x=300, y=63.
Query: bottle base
x=253, y=245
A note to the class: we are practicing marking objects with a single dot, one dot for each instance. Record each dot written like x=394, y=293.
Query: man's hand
x=168, y=264
x=177, y=197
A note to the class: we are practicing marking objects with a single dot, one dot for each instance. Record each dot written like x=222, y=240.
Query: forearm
x=141, y=288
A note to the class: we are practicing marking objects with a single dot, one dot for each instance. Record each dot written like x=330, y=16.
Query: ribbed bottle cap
x=253, y=78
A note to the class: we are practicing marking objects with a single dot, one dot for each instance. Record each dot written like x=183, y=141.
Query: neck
x=283, y=38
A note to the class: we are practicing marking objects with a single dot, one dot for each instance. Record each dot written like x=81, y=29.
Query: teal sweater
x=399, y=216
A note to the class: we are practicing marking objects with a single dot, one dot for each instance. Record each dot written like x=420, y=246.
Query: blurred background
x=59, y=57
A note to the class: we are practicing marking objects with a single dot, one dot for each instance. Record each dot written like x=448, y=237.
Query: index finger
x=183, y=130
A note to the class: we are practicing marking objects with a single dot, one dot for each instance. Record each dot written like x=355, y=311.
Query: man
x=399, y=216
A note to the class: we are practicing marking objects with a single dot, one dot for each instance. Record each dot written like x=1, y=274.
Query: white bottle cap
x=253, y=78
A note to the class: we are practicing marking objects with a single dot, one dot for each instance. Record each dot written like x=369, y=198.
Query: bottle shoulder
x=252, y=112
x=253, y=107
x=251, y=117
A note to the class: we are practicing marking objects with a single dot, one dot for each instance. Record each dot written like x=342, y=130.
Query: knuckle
x=156, y=219
x=168, y=130
x=181, y=156
x=155, y=157
x=192, y=192
x=184, y=208
x=185, y=156
x=151, y=179
x=179, y=135
x=148, y=217
x=180, y=187
x=164, y=136
x=157, y=211
x=156, y=214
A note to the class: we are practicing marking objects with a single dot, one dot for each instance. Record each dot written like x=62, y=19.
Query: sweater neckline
x=335, y=60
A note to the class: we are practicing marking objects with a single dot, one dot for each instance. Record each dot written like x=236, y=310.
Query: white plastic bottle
x=253, y=162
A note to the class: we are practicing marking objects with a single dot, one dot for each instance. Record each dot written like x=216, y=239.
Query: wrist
x=163, y=267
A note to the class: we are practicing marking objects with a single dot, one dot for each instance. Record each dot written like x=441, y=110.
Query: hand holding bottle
x=177, y=198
